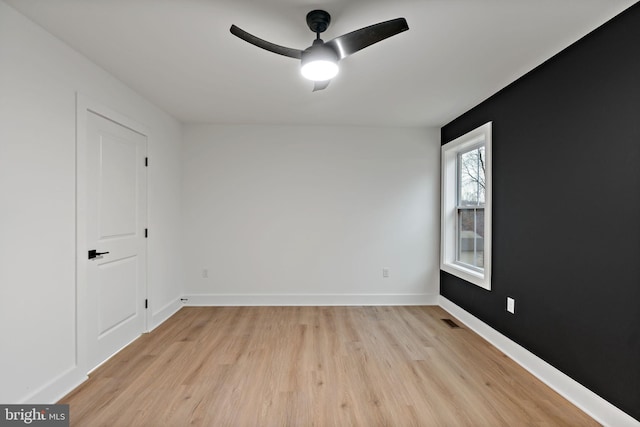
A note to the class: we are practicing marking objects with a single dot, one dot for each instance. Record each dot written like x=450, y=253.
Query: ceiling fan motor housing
x=319, y=51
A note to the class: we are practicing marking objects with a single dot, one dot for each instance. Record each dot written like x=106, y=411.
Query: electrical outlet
x=385, y=272
x=511, y=305
x=205, y=273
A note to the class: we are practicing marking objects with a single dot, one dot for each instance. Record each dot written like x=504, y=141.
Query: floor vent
x=451, y=323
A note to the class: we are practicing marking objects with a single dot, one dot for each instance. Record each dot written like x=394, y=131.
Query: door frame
x=84, y=106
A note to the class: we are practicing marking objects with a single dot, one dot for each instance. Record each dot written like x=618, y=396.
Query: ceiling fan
x=319, y=62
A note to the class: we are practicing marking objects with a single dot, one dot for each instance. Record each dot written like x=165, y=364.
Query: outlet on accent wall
x=511, y=305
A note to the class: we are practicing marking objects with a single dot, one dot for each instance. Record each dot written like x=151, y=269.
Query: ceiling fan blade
x=271, y=47
x=354, y=41
x=320, y=85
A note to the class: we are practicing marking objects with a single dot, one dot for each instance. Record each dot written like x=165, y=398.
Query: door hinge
x=146, y=161
x=146, y=233
x=146, y=303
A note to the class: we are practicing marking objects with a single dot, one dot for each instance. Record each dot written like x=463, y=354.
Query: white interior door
x=116, y=221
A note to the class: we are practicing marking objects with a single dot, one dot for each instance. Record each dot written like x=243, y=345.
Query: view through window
x=470, y=207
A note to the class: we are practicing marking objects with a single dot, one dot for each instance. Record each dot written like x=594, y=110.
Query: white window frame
x=449, y=200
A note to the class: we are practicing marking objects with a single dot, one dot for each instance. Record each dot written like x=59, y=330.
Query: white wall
x=311, y=215
x=39, y=78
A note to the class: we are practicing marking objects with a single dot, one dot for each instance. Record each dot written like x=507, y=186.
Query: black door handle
x=94, y=253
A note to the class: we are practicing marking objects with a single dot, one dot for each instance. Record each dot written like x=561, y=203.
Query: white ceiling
x=180, y=55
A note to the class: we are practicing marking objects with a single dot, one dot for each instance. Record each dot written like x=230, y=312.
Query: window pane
x=471, y=237
x=471, y=188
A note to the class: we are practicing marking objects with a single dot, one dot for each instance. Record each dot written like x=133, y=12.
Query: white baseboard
x=160, y=316
x=57, y=388
x=592, y=404
x=309, y=299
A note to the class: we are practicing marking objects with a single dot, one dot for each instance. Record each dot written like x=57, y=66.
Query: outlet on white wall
x=385, y=272
x=511, y=305
x=205, y=273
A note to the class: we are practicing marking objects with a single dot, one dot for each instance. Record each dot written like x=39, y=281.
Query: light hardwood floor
x=315, y=366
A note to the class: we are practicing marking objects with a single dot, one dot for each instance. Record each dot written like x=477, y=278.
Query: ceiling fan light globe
x=319, y=70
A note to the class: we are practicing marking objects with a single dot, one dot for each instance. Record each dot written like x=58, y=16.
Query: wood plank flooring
x=315, y=366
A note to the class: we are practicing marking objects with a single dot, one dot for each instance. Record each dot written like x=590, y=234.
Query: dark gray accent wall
x=566, y=211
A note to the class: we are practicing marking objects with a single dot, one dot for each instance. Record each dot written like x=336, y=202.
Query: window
x=466, y=207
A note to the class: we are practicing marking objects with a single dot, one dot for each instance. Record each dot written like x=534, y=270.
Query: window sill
x=472, y=276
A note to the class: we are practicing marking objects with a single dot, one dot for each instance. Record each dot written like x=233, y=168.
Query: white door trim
x=84, y=106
